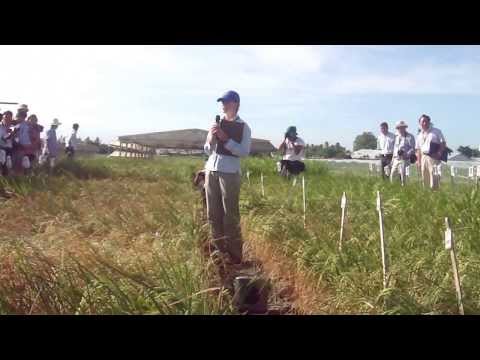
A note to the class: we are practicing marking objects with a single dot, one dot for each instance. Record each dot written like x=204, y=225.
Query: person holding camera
x=293, y=151
x=385, y=142
x=431, y=149
x=72, y=142
x=403, y=152
x=228, y=140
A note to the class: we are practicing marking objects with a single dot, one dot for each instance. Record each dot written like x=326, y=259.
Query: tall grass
x=105, y=236
x=420, y=279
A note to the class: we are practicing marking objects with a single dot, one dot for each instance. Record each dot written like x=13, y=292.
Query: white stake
x=343, y=205
x=294, y=181
x=407, y=171
x=452, y=174
x=304, y=203
x=450, y=245
x=261, y=181
x=382, y=241
x=248, y=177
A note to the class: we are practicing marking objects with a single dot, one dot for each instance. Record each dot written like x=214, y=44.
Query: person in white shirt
x=293, y=151
x=72, y=142
x=403, y=150
x=6, y=144
x=431, y=145
x=385, y=142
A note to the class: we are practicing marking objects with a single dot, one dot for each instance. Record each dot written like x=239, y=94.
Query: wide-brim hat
x=401, y=124
x=292, y=130
x=56, y=122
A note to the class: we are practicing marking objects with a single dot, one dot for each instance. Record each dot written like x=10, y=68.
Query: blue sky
x=331, y=93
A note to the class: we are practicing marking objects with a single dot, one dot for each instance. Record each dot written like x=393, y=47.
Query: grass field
x=121, y=236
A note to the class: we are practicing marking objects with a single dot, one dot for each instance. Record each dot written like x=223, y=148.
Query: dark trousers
x=386, y=160
x=293, y=167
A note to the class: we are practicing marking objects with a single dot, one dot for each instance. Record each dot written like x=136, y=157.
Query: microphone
x=217, y=119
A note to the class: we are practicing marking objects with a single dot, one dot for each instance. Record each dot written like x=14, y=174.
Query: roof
x=185, y=139
x=459, y=157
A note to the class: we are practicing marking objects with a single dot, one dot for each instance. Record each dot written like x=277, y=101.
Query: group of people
x=400, y=150
x=21, y=145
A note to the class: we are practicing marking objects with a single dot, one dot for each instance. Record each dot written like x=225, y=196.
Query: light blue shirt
x=227, y=163
x=23, y=133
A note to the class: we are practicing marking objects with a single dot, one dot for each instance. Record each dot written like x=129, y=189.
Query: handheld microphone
x=217, y=119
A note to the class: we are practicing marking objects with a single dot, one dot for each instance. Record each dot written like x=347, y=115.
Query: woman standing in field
x=227, y=141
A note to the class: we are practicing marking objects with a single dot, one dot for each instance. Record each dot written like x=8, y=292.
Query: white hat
x=400, y=124
x=56, y=122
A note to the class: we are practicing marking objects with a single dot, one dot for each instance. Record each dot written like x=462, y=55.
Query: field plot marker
x=407, y=171
x=382, y=241
x=261, y=182
x=471, y=170
x=248, y=177
x=343, y=205
x=477, y=175
x=304, y=203
x=370, y=169
x=450, y=245
x=452, y=174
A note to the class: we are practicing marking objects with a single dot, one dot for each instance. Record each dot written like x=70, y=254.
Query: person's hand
x=219, y=133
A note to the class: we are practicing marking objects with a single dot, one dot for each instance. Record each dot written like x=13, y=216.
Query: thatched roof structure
x=189, y=139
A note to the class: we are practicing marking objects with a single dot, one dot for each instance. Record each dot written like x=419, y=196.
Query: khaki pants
x=399, y=165
x=428, y=172
x=223, y=193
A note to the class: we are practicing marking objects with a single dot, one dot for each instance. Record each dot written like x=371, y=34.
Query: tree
x=468, y=151
x=365, y=141
x=97, y=141
x=87, y=140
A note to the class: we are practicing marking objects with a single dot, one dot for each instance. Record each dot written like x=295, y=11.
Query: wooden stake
x=343, y=205
x=382, y=241
x=261, y=181
x=248, y=177
x=450, y=245
x=304, y=203
x=452, y=175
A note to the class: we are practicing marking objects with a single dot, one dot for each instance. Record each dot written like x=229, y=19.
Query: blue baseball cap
x=230, y=96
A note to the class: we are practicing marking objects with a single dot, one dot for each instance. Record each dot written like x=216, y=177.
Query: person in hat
x=403, y=151
x=293, y=151
x=6, y=144
x=227, y=141
x=22, y=144
x=385, y=142
x=72, y=142
x=50, y=150
x=431, y=145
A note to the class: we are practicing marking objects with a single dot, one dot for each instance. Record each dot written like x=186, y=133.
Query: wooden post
x=248, y=177
x=382, y=241
x=450, y=245
x=304, y=203
x=343, y=205
x=452, y=175
x=261, y=182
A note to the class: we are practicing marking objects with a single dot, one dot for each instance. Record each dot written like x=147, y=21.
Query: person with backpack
x=403, y=152
x=228, y=140
x=293, y=151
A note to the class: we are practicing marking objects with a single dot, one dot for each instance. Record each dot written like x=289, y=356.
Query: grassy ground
x=105, y=236
x=420, y=280
x=120, y=236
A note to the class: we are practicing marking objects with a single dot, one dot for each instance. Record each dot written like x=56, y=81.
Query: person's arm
x=211, y=140
x=242, y=149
